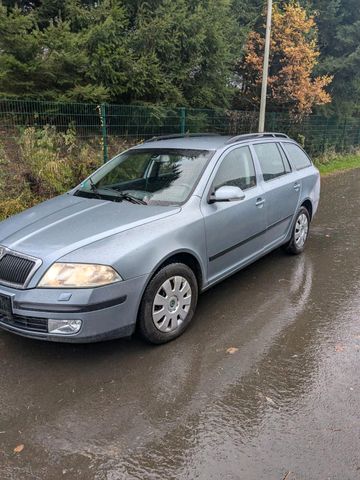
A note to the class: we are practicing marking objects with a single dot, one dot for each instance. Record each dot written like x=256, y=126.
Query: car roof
x=205, y=141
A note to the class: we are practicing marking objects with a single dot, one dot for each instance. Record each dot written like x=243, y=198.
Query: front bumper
x=106, y=312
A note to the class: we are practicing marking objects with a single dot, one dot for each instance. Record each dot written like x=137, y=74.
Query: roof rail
x=248, y=136
x=180, y=135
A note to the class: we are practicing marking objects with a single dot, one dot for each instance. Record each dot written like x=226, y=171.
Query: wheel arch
x=308, y=205
x=187, y=257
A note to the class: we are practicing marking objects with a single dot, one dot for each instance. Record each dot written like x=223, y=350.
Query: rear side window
x=236, y=170
x=297, y=157
x=271, y=161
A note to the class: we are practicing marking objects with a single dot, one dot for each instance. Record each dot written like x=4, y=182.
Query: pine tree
x=339, y=39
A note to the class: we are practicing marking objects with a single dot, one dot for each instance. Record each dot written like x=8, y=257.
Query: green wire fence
x=107, y=122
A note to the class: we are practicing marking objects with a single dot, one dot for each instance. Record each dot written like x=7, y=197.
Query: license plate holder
x=5, y=306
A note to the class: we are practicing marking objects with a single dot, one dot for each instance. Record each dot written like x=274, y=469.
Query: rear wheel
x=168, y=304
x=300, y=233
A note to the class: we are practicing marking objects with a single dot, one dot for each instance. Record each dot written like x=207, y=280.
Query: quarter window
x=298, y=158
x=236, y=170
x=271, y=162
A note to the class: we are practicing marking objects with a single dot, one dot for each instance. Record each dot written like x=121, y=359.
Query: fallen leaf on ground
x=287, y=476
x=232, y=350
x=19, y=448
x=339, y=348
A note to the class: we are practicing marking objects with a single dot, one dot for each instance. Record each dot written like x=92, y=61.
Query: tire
x=168, y=304
x=297, y=243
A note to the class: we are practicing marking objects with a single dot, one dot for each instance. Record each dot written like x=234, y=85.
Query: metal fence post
x=104, y=132
x=324, y=136
x=343, y=142
x=358, y=135
x=182, y=120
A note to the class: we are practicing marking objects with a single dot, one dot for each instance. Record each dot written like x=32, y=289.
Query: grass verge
x=334, y=164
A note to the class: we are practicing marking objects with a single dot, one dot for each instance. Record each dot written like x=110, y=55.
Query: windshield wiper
x=119, y=195
x=130, y=198
x=123, y=196
x=94, y=188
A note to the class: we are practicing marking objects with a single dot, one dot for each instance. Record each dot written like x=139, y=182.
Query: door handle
x=297, y=186
x=260, y=202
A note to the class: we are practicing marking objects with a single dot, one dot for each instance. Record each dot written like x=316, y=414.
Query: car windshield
x=147, y=176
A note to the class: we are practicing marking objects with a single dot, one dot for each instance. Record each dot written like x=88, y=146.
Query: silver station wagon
x=135, y=243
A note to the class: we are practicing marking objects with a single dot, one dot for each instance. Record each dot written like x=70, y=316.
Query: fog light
x=65, y=327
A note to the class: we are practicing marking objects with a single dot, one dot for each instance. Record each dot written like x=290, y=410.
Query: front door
x=235, y=230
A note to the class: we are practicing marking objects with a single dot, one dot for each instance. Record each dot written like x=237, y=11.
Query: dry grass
x=41, y=163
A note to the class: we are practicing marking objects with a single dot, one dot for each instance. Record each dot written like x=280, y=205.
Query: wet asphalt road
x=288, y=400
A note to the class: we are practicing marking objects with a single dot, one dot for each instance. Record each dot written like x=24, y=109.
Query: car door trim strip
x=252, y=237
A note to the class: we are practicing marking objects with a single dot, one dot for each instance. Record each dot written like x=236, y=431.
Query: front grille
x=14, y=269
x=26, y=323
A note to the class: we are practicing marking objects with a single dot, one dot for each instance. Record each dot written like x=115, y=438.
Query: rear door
x=308, y=177
x=282, y=190
x=235, y=231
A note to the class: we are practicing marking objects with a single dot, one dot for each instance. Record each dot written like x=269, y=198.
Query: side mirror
x=227, y=194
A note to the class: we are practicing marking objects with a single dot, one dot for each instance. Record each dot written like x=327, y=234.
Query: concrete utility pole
x=265, y=68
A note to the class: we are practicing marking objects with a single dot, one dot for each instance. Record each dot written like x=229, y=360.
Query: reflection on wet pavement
x=285, y=401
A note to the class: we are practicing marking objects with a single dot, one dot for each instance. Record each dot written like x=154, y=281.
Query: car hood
x=66, y=223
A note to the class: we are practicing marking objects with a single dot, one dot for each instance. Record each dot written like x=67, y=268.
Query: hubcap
x=171, y=304
x=301, y=230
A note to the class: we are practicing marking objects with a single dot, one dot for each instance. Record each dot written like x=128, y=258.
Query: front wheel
x=300, y=233
x=168, y=304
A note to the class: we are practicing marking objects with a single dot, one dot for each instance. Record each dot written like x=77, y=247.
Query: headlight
x=78, y=275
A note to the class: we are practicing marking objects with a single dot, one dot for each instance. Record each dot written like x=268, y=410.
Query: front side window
x=236, y=170
x=297, y=156
x=152, y=176
x=271, y=162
